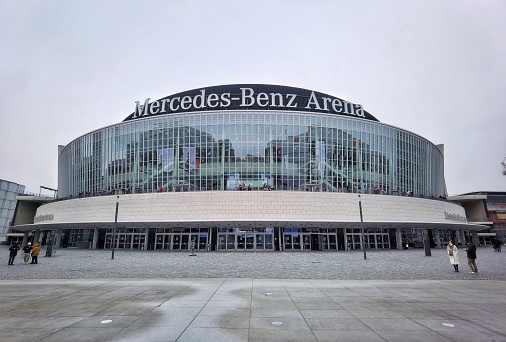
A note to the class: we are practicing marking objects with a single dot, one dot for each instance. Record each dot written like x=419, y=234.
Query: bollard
x=193, y=249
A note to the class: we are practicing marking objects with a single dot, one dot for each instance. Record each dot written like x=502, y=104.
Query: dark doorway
x=393, y=238
x=214, y=239
x=101, y=238
x=65, y=239
x=315, y=242
x=340, y=239
x=151, y=238
x=276, y=241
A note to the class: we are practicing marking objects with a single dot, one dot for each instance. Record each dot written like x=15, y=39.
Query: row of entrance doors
x=126, y=241
x=309, y=241
x=244, y=241
x=247, y=241
x=181, y=241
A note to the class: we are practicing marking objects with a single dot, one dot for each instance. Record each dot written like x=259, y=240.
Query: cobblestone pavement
x=379, y=265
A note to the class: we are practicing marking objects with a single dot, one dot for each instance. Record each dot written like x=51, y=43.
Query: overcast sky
x=436, y=68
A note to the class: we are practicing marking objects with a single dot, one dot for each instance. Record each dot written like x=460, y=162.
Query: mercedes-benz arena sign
x=248, y=96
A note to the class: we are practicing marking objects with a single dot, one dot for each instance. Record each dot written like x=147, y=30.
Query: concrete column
x=95, y=238
x=398, y=235
x=426, y=243
x=25, y=239
x=58, y=238
x=36, y=236
x=456, y=238
x=437, y=237
x=462, y=237
x=474, y=237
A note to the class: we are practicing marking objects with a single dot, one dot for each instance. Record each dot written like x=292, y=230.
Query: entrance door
x=101, y=238
x=194, y=238
x=177, y=242
x=222, y=241
x=287, y=241
x=231, y=242
x=315, y=242
x=332, y=241
x=259, y=242
x=128, y=241
x=306, y=242
x=185, y=239
x=250, y=241
x=268, y=241
x=241, y=241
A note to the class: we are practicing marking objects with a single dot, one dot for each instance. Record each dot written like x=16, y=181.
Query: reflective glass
x=251, y=150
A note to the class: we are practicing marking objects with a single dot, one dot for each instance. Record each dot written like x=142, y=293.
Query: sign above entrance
x=248, y=97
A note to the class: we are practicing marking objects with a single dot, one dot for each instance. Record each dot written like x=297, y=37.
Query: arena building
x=250, y=167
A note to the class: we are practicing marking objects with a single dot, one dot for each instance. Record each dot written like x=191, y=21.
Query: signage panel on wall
x=248, y=96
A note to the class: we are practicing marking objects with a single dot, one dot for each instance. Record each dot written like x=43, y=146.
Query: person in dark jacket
x=13, y=251
x=471, y=256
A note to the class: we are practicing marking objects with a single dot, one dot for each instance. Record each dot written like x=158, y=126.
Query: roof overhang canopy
x=253, y=224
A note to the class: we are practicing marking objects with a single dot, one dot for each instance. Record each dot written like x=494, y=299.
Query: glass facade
x=251, y=149
x=8, y=193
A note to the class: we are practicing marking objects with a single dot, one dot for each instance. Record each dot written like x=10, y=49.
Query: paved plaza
x=83, y=295
x=379, y=265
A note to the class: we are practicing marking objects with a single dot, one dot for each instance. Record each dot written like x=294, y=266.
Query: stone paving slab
x=39, y=317
x=83, y=295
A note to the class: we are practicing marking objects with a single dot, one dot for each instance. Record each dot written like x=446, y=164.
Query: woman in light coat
x=453, y=253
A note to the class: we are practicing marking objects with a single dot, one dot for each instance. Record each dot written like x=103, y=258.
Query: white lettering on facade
x=291, y=99
x=202, y=98
x=350, y=106
x=163, y=105
x=455, y=217
x=141, y=110
x=313, y=101
x=360, y=111
x=45, y=217
x=212, y=98
x=225, y=100
x=186, y=102
x=325, y=100
x=337, y=105
x=247, y=98
x=154, y=108
x=263, y=99
x=273, y=99
x=172, y=102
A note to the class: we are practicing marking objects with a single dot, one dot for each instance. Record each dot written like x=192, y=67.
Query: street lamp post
x=114, y=227
x=362, y=226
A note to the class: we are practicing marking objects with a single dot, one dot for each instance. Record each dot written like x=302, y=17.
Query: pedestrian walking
x=35, y=253
x=471, y=256
x=13, y=251
x=453, y=253
x=26, y=252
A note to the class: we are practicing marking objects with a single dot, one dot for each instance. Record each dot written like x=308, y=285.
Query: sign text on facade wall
x=243, y=97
